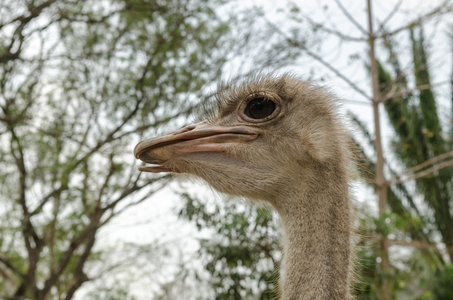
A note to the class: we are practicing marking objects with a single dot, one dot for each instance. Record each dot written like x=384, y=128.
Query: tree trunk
x=384, y=291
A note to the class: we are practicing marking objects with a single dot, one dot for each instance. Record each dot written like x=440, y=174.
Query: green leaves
x=79, y=86
x=242, y=256
x=442, y=285
x=421, y=209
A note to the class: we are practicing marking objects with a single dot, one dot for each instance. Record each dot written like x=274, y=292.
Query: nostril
x=187, y=128
x=184, y=129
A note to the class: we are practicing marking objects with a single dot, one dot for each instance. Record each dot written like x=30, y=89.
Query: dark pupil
x=259, y=108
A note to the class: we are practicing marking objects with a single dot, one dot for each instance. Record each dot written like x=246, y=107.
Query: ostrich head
x=268, y=133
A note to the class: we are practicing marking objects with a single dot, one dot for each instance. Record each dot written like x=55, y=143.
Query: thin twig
x=412, y=243
x=12, y=268
x=392, y=94
x=441, y=9
x=350, y=18
x=428, y=163
x=424, y=173
x=334, y=32
x=319, y=59
x=390, y=15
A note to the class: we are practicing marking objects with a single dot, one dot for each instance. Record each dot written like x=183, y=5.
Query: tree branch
x=350, y=18
x=413, y=243
x=79, y=275
x=35, y=11
x=333, y=31
x=412, y=172
x=12, y=268
x=319, y=59
x=88, y=233
x=112, y=170
x=441, y=9
x=424, y=173
x=28, y=231
x=134, y=188
x=46, y=198
x=393, y=94
x=390, y=15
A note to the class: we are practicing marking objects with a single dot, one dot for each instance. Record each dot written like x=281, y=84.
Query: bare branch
x=12, y=268
x=157, y=123
x=334, y=31
x=423, y=165
x=350, y=18
x=393, y=94
x=443, y=8
x=33, y=242
x=319, y=59
x=165, y=180
x=414, y=243
x=425, y=173
x=46, y=198
x=134, y=188
x=35, y=11
x=85, y=236
x=384, y=289
x=112, y=170
x=8, y=276
x=79, y=275
x=390, y=15
x=422, y=245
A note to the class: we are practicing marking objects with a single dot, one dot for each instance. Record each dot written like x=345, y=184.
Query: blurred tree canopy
x=80, y=81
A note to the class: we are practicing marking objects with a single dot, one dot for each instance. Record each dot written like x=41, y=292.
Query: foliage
x=419, y=139
x=80, y=83
x=242, y=257
x=442, y=285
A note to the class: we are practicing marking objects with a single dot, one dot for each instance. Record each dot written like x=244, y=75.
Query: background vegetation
x=81, y=82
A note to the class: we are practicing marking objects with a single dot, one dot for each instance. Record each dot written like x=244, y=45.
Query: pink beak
x=200, y=137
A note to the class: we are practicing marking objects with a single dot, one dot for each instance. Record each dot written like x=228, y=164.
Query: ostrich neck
x=317, y=243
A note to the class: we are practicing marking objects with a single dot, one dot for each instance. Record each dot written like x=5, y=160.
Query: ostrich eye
x=259, y=108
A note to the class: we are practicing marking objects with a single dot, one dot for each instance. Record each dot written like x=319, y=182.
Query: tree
x=243, y=256
x=401, y=221
x=424, y=149
x=80, y=83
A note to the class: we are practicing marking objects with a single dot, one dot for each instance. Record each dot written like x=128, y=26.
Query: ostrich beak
x=200, y=137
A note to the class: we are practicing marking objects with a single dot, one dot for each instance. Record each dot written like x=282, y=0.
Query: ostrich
x=279, y=140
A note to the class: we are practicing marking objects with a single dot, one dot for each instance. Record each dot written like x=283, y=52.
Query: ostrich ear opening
x=318, y=142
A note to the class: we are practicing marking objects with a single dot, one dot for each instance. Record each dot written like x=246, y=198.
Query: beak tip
x=137, y=150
